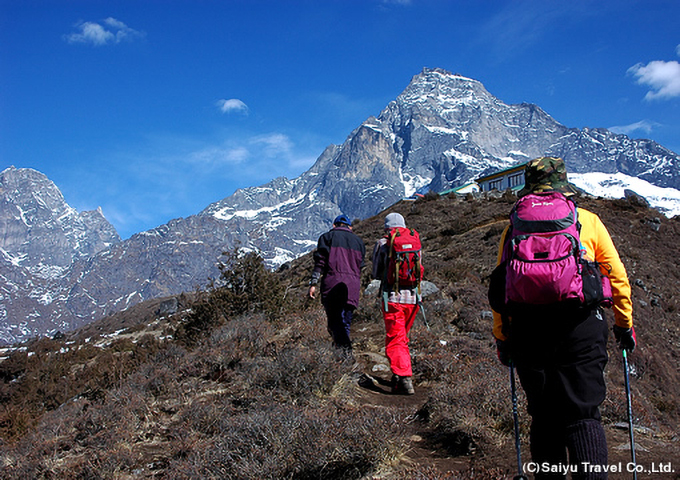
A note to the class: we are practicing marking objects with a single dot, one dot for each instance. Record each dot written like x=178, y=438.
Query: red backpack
x=404, y=267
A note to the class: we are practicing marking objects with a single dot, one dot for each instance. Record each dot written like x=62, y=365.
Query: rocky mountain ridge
x=42, y=238
x=40, y=229
x=443, y=131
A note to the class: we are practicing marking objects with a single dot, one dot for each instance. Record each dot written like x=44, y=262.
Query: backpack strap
x=419, y=271
x=384, y=284
x=417, y=266
x=397, y=260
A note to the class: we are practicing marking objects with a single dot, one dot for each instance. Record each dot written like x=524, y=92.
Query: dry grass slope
x=240, y=381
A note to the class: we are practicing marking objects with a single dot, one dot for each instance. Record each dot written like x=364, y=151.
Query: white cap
x=394, y=220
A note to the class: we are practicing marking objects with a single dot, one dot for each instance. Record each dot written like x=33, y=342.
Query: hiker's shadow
x=375, y=384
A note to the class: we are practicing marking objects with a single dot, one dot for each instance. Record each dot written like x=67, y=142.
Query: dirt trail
x=657, y=458
x=371, y=387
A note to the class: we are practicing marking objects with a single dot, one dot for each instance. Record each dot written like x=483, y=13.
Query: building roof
x=502, y=173
x=468, y=187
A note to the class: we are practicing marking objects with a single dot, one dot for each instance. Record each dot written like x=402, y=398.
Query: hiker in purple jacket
x=338, y=260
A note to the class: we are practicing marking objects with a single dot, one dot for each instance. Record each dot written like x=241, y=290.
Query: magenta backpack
x=542, y=261
x=543, y=251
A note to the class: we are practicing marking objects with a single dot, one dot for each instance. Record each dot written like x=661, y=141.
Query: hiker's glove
x=503, y=352
x=625, y=337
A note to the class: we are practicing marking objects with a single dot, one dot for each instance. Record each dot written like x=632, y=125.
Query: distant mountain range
x=60, y=269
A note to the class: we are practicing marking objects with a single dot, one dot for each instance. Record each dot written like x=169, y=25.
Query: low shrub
x=245, y=286
x=288, y=441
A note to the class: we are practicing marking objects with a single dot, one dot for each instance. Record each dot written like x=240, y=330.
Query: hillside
x=60, y=270
x=242, y=384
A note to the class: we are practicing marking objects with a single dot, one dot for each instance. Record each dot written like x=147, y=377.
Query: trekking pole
x=520, y=469
x=422, y=310
x=630, y=414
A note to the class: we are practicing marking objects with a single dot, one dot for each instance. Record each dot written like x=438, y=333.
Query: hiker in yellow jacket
x=560, y=355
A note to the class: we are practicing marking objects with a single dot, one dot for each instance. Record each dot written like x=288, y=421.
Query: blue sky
x=154, y=109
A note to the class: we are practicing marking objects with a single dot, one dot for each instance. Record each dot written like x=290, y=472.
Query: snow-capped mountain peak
x=443, y=131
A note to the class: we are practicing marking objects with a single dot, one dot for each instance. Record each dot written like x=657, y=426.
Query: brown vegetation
x=241, y=381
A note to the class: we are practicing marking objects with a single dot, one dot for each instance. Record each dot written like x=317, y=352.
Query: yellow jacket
x=599, y=247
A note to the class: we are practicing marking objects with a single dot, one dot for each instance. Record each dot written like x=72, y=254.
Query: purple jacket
x=338, y=260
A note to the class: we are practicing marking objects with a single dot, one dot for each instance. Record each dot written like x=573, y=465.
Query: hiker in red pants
x=400, y=284
x=559, y=347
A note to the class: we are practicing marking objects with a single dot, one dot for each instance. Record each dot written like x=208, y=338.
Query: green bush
x=248, y=285
x=245, y=286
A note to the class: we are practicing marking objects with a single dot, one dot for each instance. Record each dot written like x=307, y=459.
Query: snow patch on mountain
x=47, y=271
x=442, y=130
x=607, y=185
x=379, y=187
x=518, y=153
x=281, y=256
x=13, y=259
x=462, y=158
x=308, y=243
x=227, y=213
x=412, y=183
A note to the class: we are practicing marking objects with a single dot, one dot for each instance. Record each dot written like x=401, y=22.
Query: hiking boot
x=402, y=385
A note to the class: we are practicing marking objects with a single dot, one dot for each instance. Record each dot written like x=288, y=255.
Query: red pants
x=399, y=319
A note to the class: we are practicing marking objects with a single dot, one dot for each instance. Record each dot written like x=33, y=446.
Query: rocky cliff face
x=443, y=131
x=41, y=238
x=40, y=229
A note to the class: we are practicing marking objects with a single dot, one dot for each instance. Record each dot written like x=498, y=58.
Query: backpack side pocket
x=597, y=289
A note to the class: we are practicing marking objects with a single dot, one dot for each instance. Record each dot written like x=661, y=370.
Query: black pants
x=560, y=358
x=339, y=313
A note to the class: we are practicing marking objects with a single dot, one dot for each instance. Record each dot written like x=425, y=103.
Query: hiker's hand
x=312, y=291
x=625, y=337
x=503, y=352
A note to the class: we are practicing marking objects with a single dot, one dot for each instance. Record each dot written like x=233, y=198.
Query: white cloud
x=237, y=155
x=274, y=144
x=257, y=150
x=663, y=78
x=91, y=33
x=122, y=31
x=643, y=125
x=110, y=31
x=232, y=105
x=232, y=159
x=219, y=156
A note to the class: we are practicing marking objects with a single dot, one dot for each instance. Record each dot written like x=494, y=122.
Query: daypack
x=543, y=251
x=404, y=266
x=542, y=261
